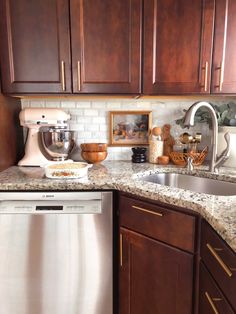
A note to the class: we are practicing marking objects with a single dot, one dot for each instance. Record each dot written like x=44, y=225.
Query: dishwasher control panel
x=51, y=202
x=51, y=207
x=61, y=203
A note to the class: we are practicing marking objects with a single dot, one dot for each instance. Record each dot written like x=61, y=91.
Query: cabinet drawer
x=220, y=261
x=166, y=225
x=211, y=299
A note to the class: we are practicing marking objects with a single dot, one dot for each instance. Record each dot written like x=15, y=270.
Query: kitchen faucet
x=215, y=162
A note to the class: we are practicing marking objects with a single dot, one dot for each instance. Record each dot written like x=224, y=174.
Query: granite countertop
x=219, y=211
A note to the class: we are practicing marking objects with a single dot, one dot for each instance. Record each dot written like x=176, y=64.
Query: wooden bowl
x=94, y=147
x=94, y=157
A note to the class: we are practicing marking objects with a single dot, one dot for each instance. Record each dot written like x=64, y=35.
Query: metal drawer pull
x=205, y=76
x=219, y=260
x=148, y=211
x=63, y=83
x=221, y=76
x=79, y=75
x=211, y=303
x=121, y=250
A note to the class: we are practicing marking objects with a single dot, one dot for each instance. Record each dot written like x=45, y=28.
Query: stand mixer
x=36, y=119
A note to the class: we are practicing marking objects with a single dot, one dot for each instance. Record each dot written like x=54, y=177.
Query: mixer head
x=32, y=117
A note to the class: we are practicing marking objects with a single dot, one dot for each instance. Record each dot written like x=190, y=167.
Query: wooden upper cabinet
x=106, y=46
x=177, y=46
x=224, y=55
x=35, y=46
x=95, y=46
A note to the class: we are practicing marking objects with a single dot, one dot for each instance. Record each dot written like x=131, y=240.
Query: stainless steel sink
x=192, y=183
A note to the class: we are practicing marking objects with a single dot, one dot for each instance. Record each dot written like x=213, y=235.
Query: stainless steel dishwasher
x=56, y=252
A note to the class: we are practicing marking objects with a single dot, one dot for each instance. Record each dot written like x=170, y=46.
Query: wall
x=90, y=117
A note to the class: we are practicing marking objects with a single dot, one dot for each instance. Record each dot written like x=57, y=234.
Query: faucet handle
x=227, y=139
x=225, y=154
x=190, y=164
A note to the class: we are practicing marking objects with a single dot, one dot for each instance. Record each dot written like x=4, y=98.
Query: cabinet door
x=224, y=57
x=211, y=299
x=35, y=46
x=11, y=139
x=177, y=46
x=106, y=46
x=154, y=278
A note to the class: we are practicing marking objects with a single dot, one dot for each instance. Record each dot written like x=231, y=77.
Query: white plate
x=68, y=170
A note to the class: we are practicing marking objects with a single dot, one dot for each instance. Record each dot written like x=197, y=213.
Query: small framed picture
x=129, y=128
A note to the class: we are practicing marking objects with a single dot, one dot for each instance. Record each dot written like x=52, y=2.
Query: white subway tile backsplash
x=115, y=149
x=68, y=104
x=77, y=127
x=90, y=118
x=118, y=156
x=83, y=104
x=103, y=113
x=103, y=127
x=90, y=112
x=92, y=127
x=25, y=103
x=143, y=106
x=52, y=104
x=112, y=106
x=128, y=106
x=84, y=120
x=98, y=105
x=84, y=135
x=86, y=140
x=99, y=120
x=99, y=134
x=76, y=112
x=37, y=103
x=100, y=140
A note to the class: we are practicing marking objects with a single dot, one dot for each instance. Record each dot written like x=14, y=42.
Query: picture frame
x=129, y=128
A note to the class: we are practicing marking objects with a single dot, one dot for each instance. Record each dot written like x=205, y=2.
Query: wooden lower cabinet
x=154, y=277
x=220, y=262
x=172, y=261
x=211, y=299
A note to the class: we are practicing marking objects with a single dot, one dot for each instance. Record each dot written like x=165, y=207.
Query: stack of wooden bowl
x=93, y=152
